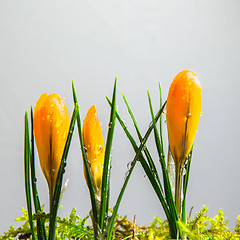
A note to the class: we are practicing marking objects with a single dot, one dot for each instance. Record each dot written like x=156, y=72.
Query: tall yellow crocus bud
x=51, y=126
x=94, y=147
x=183, y=114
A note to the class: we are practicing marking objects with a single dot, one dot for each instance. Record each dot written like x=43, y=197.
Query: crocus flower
x=183, y=114
x=94, y=147
x=51, y=125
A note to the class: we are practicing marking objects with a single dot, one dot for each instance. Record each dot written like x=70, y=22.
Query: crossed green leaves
x=103, y=224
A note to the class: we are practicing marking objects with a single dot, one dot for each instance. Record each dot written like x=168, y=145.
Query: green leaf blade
x=185, y=186
x=27, y=155
x=61, y=171
x=167, y=185
x=89, y=179
x=107, y=163
x=146, y=151
x=40, y=223
x=85, y=162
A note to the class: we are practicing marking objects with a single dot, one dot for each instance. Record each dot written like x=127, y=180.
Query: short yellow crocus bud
x=51, y=126
x=94, y=147
x=183, y=114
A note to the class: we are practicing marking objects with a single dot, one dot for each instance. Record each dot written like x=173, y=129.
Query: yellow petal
x=51, y=125
x=183, y=114
x=94, y=147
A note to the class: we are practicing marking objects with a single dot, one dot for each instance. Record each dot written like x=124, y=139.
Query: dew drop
x=126, y=174
x=53, y=171
x=65, y=135
x=125, y=123
x=58, y=123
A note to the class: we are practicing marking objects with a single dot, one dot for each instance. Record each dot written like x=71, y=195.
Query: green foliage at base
x=67, y=228
x=204, y=227
x=201, y=227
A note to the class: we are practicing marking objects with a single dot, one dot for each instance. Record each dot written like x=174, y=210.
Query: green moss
x=201, y=227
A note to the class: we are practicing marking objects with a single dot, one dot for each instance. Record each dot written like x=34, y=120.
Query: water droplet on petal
x=53, y=171
x=58, y=123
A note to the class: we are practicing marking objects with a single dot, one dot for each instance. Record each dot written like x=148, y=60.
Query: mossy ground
x=201, y=227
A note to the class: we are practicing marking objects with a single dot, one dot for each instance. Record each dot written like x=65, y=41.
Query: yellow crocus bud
x=51, y=126
x=94, y=147
x=183, y=113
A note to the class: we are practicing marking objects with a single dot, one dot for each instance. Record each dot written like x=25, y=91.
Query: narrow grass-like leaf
x=85, y=162
x=147, y=153
x=107, y=163
x=167, y=185
x=185, y=185
x=162, y=159
x=146, y=167
x=57, y=192
x=27, y=154
x=160, y=122
x=40, y=223
x=123, y=126
x=115, y=209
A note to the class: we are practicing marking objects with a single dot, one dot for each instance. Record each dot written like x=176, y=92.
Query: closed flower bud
x=183, y=114
x=51, y=126
x=94, y=147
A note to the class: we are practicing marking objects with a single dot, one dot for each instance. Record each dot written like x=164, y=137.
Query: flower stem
x=96, y=228
x=51, y=188
x=178, y=188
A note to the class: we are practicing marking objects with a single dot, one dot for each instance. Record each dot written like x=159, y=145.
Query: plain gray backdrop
x=46, y=44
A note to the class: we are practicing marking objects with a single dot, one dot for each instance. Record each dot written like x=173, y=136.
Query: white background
x=46, y=44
